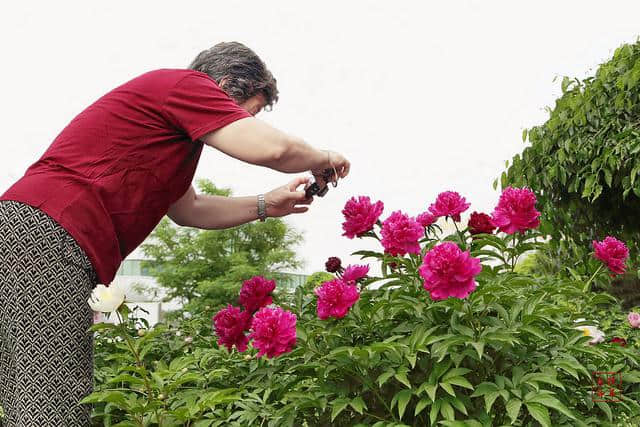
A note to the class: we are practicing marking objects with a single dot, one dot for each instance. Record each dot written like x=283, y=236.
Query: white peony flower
x=106, y=299
x=597, y=336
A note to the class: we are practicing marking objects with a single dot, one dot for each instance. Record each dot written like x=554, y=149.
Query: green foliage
x=584, y=161
x=206, y=267
x=506, y=355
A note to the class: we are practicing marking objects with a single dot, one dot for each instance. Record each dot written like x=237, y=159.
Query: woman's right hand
x=334, y=160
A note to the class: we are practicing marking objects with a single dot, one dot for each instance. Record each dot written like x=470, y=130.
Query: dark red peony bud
x=481, y=223
x=333, y=264
x=620, y=341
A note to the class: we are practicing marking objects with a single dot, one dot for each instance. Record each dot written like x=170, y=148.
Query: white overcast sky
x=421, y=96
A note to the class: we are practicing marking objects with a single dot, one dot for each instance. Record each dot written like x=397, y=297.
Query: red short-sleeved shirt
x=113, y=172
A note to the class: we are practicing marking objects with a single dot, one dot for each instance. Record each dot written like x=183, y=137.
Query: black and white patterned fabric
x=46, y=350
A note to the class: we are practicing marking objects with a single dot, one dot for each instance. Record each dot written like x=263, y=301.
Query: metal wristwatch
x=262, y=210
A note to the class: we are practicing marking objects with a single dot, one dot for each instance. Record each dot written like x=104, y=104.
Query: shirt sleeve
x=198, y=106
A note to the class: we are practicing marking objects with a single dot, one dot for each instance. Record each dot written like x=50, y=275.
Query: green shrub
x=507, y=354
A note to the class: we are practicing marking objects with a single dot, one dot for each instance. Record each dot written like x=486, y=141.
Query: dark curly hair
x=245, y=74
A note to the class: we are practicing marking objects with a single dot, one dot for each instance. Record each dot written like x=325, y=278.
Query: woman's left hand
x=287, y=199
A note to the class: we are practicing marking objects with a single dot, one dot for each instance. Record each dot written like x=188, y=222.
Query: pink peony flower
x=230, y=324
x=449, y=272
x=634, y=319
x=333, y=264
x=481, y=223
x=613, y=253
x=256, y=293
x=426, y=219
x=400, y=234
x=449, y=203
x=516, y=211
x=273, y=331
x=360, y=216
x=354, y=273
x=335, y=298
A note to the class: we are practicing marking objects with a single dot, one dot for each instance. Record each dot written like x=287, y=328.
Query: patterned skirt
x=46, y=350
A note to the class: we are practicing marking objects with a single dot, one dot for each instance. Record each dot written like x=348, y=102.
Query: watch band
x=262, y=209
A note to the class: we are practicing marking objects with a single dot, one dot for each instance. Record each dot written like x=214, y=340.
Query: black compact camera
x=315, y=189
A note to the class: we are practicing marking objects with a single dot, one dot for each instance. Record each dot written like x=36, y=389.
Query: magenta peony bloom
x=449, y=203
x=354, y=273
x=360, y=216
x=333, y=264
x=516, y=211
x=449, y=272
x=273, y=331
x=634, y=319
x=613, y=253
x=230, y=324
x=256, y=293
x=335, y=298
x=481, y=223
x=426, y=219
x=400, y=234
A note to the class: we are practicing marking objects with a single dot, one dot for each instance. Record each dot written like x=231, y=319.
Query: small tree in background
x=205, y=268
x=584, y=161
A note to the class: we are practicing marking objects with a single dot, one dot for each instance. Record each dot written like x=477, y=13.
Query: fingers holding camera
x=340, y=163
x=287, y=199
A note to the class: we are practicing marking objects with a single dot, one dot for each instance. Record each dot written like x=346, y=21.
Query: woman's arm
x=217, y=212
x=254, y=141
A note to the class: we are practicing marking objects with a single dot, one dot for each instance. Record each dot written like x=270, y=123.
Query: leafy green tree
x=205, y=268
x=584, y=161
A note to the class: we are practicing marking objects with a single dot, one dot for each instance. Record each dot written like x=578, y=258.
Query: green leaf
x=484, y=388
x=358, y=404
x=460, y=381
x=431, y=390
x=539, y=413
x=606, y=409
x=338, y=406
x=447, y=411
x=423, y=403
x=435, y=409
x=479, y=346
x=544, y=378
x=447, y=387
x=402, y=377
x=455, y=372
x=513, y=409
x=125, y=378
x=457, y=403
x=403, y=397
x=551, y=402
x=489, y=399
x=385, y=376
x=534, y=331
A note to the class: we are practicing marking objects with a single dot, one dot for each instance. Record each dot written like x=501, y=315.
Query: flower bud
x=333, y=264
x=142, y=332
x=188, y=340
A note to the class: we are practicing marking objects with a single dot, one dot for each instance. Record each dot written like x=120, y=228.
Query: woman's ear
x=223, y=82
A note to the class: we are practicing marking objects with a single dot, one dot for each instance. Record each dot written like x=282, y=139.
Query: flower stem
x=460, y=234
x=138, y=363
x=588, y=284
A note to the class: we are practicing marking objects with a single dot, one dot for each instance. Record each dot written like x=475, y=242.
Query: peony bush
x=445, y=332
